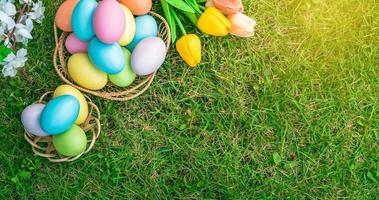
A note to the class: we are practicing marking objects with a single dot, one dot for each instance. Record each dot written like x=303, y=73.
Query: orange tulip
x=209, y=3
x=226, y=6
x=242, y=25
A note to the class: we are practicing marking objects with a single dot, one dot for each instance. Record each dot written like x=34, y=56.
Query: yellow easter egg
x=130, y=27
x=69, y=90
x=84, y=73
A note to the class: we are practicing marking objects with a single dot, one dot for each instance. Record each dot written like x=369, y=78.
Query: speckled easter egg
x=72, y=142
x=84, y=73
x=69, y=90
x=30, y=119
x=138, y=7
x=109, y=21
x=146, y=26
x=130, y=27
x=106, y=57
x=82, y=19
x=64, y=13
x=74, y=45
x=148, y=56
x=59, y=114
x=126, y=76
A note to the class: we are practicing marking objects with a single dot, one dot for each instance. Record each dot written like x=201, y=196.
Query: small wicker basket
x=43, y=146
x=110, y=92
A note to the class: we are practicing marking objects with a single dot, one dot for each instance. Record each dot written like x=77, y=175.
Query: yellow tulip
x=213, y=22
x=189, y=48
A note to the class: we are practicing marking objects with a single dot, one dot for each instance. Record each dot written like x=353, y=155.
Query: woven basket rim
x=122, y=94
x=92, y=124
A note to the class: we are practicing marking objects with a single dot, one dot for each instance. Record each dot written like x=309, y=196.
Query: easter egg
x=138, y=7
x=126, y=76
x=106, y=57
x=30, y=119
x=64, y=13
x=148, y=56
x=84, y=73
x=82, y=18
x=69, y=90
x=146, y=26
x=59, y=114
x=109, y=21
x=74, y=45
x=71, y=143
x=130, y=27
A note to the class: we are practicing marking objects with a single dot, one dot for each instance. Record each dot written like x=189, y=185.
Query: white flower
x=12, y=62
x=37, y=13
x=6, y=23
x=23, y=31
x=25, y=2
x=8, y=8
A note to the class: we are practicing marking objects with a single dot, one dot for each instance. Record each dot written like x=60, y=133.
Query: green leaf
x=192, y=17
x=167, y=10
x=181, y=27
x=277, y=158
x=4, y=51
x=181, y=5
x=174, y=31
x=194, y=6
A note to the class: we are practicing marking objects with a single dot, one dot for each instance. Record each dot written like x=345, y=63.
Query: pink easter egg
x=109, y=21
x=74, y=45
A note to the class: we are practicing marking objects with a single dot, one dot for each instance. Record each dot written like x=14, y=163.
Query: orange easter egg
x=138, y=7
x=63, y=16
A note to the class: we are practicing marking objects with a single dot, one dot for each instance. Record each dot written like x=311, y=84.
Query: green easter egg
x=70, y=143
x=126, y=76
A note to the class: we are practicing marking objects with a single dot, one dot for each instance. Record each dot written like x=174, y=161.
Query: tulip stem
x=202, y=7
x=181, y=27
x=192, y=17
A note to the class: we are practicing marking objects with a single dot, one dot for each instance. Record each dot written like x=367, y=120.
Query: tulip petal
x=209, y=3
x=229, y=6
x=242, y=25
x=213, y=22
x=189, y=48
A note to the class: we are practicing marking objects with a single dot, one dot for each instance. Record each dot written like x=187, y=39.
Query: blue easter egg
x=146, y=26
x=109, y=58
x=59, y=114
x=82, y=18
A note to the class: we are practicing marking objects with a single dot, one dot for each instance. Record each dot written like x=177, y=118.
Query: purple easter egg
x=148, y=56
x=74, y=45
x=30, y=119
x=109, y=21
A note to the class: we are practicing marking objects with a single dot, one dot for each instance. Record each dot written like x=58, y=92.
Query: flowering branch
x=14, y=31
x=11, y=35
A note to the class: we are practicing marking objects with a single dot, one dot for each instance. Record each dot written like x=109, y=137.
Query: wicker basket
x=111, y=91
x=43, y=146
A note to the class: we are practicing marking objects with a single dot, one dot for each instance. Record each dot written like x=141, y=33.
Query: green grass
x=290, y=113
